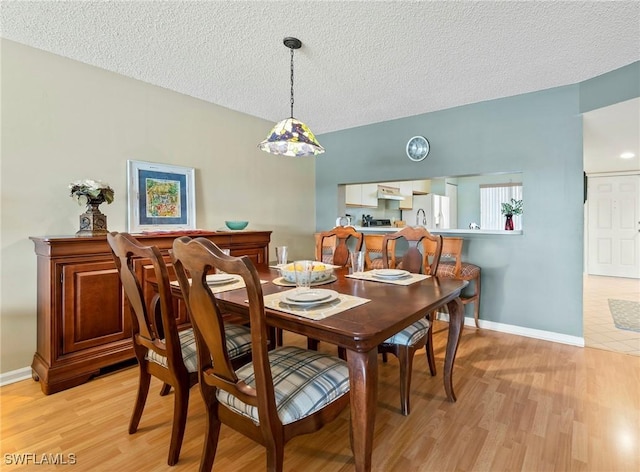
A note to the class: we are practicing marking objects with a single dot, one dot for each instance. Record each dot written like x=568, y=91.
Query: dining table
x=387, y=309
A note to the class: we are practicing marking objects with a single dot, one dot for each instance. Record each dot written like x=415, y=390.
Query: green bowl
x=236, y=224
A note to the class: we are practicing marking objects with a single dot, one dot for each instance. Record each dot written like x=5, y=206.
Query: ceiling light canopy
x=291, y=137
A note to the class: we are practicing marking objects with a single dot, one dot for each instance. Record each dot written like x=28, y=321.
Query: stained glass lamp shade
x=291, y=137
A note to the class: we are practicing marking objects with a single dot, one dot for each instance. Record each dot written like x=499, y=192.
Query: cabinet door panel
x=370, y=195
x=353, y=195
x=255, y=254
x=91, y=301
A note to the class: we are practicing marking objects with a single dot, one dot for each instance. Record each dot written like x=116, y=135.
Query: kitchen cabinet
x=362, y=195
x=406, y=189
x=421, y=187
x=83, y=320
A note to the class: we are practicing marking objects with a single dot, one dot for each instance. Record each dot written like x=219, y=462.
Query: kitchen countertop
x=393, y=229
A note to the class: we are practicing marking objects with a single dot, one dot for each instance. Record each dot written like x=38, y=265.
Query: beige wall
x=63, y=120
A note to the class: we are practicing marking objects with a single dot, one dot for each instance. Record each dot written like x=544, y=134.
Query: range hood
x=389, y=193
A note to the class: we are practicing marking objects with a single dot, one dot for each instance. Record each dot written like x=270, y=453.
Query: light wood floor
x=599, y=330
x=523, y=405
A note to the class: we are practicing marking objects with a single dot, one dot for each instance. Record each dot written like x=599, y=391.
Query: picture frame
x=160, y=197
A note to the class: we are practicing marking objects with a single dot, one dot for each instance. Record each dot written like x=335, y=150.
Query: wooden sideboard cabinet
x=83, y=315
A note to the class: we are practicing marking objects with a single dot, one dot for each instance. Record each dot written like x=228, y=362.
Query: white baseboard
x=521, y=331
x=15, y=376
x=25, y=373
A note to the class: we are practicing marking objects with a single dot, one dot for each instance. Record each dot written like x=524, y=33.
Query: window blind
x=491, y=198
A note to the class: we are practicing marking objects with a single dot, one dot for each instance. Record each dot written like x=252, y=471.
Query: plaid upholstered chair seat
x=377, y=263
x=238, y=344
x=303, y=383
x=467, y=271
x=411, y=334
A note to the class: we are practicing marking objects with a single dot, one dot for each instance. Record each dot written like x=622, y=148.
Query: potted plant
x=91, y=193
x=514, y=207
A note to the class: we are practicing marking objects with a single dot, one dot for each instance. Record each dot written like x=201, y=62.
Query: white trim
x=613, y=173
x=521, y=331
x=14, y=376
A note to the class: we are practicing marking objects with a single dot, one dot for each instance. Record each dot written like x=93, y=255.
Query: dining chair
x=451, y=265
x=332, y=247
x=339, y=238
x=282, y=393
x=373, y=252
x=161, y=350
x=405, y=343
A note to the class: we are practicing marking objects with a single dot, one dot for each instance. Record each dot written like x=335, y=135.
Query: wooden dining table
x=361, y=329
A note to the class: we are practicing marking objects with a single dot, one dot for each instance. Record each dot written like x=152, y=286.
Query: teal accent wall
x=614, y=87
x=533, y=280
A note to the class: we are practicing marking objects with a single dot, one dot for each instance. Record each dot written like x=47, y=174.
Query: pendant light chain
x=291, y=137
x=291, y=82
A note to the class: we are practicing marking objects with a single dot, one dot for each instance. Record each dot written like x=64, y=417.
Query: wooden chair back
x=373, y=246
x=193, y=259
x=452, y=249
x=413, y=260
x=340, y=249
x=150, y=332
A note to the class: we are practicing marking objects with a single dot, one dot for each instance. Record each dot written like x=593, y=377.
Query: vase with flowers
x=514, y=207
x=91, y=193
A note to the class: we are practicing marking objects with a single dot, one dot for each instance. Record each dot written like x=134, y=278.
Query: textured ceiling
x=360, y=63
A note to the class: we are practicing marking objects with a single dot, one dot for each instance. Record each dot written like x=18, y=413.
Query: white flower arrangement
x=85, y=190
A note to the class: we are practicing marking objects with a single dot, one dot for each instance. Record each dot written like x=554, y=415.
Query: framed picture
x=161, y=197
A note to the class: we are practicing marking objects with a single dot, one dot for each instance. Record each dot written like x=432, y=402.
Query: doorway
x=608, y=133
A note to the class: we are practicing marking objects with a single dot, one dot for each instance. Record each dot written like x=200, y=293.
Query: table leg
x=456, y=322
x=363, y=381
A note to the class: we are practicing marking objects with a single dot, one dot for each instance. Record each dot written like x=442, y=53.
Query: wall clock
x=417, y=148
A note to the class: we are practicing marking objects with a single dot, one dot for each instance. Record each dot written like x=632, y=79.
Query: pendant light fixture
x=291, y=137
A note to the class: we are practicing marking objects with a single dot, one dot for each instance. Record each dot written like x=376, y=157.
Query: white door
x=614, y=226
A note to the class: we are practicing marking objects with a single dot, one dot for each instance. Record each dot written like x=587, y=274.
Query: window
x=491, y=198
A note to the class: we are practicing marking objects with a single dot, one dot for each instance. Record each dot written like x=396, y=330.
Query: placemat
x=316, y=312
x=239, y=283
x=368, y=275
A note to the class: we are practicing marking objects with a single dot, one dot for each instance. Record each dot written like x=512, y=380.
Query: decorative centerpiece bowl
x=321, y=272
x=236, y=224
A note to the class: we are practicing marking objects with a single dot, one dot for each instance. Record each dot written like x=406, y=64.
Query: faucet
x=424, y=217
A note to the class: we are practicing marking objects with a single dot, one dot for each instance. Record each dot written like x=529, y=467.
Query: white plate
x=390, y=273
x=321, y=296
x=308, y=295
x=218, y=279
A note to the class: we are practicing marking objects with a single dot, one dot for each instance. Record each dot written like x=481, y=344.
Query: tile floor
x=599, y=330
